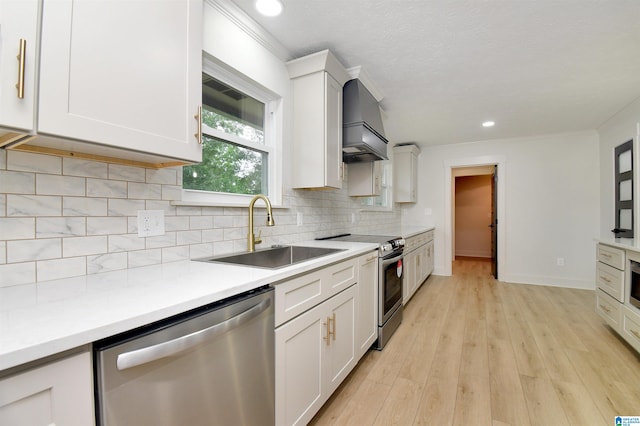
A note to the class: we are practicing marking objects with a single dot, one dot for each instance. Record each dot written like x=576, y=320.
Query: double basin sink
x=274, y=257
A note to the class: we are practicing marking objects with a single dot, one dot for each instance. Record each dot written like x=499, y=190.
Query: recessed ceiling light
x=269, y=7
x=488, y=124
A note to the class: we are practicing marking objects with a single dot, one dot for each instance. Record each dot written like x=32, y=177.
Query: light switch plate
x=150, y=223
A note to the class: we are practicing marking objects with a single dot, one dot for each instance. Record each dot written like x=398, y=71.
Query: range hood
x=363, y=137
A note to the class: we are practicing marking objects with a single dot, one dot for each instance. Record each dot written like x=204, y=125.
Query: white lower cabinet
x=57, y=393
x=367, y=308
x=314, y=353
x=418, y=263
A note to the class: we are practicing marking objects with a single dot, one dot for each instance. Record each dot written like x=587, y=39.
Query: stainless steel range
x=390, y=276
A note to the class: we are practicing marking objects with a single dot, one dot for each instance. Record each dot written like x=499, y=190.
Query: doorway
x=488, y=165
x=474, y=232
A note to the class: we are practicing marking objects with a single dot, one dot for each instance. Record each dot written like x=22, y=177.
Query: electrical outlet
x=150, y=223
x=560, y=261
x=300, y=220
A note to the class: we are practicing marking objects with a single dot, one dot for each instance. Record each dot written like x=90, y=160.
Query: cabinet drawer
x=608, y=308
x=299, y=294
x=611, y=256
x=429, y=235
x=339, y=277
x=630, y=327
x=610, y=280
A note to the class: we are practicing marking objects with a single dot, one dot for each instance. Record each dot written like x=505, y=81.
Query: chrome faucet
x=251, y=238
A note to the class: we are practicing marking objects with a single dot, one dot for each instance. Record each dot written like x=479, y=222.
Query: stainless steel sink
x=274, y=257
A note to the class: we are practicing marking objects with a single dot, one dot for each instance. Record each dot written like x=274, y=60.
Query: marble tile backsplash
x=65, y=217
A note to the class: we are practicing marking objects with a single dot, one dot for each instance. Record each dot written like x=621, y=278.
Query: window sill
x=217, y=204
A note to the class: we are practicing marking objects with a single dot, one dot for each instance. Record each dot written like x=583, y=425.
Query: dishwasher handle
x=152, y=353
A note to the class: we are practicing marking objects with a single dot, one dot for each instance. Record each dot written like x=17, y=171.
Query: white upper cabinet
x=18, y=53
x=365, y=179
x=405, y=173
x=317, y=120
x=124, y=75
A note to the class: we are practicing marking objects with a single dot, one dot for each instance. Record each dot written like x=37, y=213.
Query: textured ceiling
x=532, y=66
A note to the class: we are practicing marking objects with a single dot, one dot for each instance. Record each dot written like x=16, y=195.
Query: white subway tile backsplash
x=175, y=223
x=163, y=176
x=118, y=207
x=17, y=273
x=60, y=185
x=33, y=205
x=85, y=168
x=127, y=173
x=84, y=246
x=172, y=254
x=61, y=268
x=149, y=191
x=144, y=258
x=106, y=262
x=29, y=162
x=82, y=206
x=17, y=228
x=160, y=241
x=106, y=225
x=223, y=221
x=200, y=250
x=165, y=206
x=17, y=182
x=125, y=242
x=30, y=250
x=211, y=235
x=170, y=192
x=188, y=211
x=52, y=227
x=200, y=222
x=106, y=188
x=188, y=237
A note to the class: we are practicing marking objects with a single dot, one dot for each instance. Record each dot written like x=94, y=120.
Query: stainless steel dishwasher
x=210, y=366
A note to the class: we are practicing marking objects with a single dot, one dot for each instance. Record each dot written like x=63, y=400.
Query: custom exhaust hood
x=363, y=137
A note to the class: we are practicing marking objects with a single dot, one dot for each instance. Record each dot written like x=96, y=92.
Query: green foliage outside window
x=228, y=167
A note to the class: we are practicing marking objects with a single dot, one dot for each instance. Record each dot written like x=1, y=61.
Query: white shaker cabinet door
x=57, y=393
x=123, y=74
x=18, y=46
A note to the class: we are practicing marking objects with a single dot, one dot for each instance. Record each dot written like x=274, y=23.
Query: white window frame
x=272, y=140
x=386, y=187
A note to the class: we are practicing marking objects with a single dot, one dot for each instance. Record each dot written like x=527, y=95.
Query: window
x=238, y=138
x=384, y=201
x=624, y=190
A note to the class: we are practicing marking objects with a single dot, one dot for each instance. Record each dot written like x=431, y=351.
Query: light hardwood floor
x=475, y=351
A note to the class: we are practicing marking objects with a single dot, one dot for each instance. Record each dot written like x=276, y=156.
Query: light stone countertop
x=623, y=243
x=42, y=319
x=410, y=231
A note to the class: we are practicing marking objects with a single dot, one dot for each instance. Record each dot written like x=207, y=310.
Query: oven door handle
x=181, y=344
x=384, y=262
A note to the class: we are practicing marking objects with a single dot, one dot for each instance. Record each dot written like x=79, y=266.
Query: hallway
x=475, y=351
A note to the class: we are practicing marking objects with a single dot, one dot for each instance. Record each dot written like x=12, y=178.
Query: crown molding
x=236, y=15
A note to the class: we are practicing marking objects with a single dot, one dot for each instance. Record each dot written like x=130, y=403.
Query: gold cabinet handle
x=333, y=320
x=635, y=333
x=604, y=308
x=198, y=117
x=22, y=55
x=327, y=338
x=605, y=279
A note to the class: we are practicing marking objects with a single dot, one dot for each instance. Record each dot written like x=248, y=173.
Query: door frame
x=449, y=198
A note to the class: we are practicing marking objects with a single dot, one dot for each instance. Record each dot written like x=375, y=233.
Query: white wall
x=551, y=205
x=619, y=129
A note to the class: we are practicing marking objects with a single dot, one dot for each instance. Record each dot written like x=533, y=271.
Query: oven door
x=390, y=282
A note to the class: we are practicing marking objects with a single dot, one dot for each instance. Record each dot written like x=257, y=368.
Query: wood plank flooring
x=475, y=351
